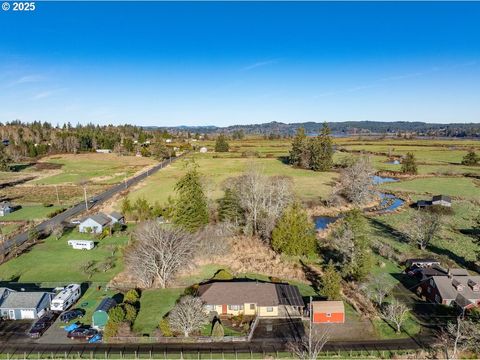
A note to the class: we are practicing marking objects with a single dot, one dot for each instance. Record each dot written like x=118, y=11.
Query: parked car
x=95, y=339
x=42, y=324
x=82, y=333
x=75, y=221
x=69, y=315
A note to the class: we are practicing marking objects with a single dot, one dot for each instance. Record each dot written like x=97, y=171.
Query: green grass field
x=99, y=168
x=154, y=305
x=30, y=212
x=54, y=260
x=7, y=229
x=307, y=184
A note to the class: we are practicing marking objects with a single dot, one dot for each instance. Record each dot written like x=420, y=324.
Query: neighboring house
x=21, y=305
x=421, y=263
x=454, y=288
x=6, y=208
x=324, y=312
x=437, y=200
x=100, y=316
x=96, y=223
x=442, y=200
x=103, y=151
x=203, y=150
x=251, y=298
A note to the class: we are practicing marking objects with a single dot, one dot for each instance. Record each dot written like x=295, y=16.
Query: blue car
x=71, y=327
x=97, y=338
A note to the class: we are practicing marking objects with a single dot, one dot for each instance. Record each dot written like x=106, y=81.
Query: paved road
x=81, y=207
x=159, y=350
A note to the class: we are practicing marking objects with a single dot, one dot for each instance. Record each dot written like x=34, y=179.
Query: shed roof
x=116, y=215
x=442, y=198
x=328, y=306
x=106, y=304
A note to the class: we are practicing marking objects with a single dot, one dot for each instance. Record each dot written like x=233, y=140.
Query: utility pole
x=58, y=197
x=125, y=179
x=85, y=195
x=310, y=328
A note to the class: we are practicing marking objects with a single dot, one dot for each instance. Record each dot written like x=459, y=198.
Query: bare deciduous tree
x=213, y=239
x=310, y=345
x=377, y=288
x=395, y=312
x=422, y=227
x=263, y=199
x=458, y=336
x=356, y=183
x=188, y=315
x=158, y=253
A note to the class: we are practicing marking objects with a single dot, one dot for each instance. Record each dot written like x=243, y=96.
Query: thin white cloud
x=46, y=94
x=28, y=79
x=260, y=64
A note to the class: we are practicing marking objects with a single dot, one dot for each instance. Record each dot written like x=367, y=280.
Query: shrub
x=164, y=327
x=117, y=227
x=55, y=212
x=130, y=312
x=131, y=297
x=47, y=205
x=116, y=314
x=217, y=331
x=191, y=290
x=111, y=329
x=223, y=274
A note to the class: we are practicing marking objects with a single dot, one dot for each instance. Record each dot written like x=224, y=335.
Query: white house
x=20, y=305
x=5, y=208
x=81, y=244
x=203, y=150
x=96, y=223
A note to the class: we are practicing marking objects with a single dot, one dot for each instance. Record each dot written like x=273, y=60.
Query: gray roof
x=106, y=304
x=447, y=290
x=116, y=215
x=99, y=218
x=5, y=204
x=2, y=291
x=244, y=292
x=442, y=197
x=458, y=272
x=23, y=300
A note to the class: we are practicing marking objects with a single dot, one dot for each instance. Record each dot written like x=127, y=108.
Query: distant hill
x=343, y=128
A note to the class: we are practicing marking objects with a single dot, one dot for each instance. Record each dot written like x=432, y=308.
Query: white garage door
x=27, y=314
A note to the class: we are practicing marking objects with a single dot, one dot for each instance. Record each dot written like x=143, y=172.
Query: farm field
x=94, y=167
x=30, y=212
x=307, y=184
x=53, y=260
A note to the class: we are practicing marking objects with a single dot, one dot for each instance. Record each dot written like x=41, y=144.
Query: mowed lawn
x=99, y=168
x=30, y=212
x=453, y=186
x=54, y=260
x=154, y=305
x=307, y=184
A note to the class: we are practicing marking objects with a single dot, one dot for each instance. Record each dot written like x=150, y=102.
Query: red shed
x=328, y=312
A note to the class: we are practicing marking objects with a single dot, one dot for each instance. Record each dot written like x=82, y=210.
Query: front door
x=224, y=309
x=11, y=314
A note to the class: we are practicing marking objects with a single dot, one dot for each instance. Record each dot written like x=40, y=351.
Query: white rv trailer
x=81, y=244
x=66, y=298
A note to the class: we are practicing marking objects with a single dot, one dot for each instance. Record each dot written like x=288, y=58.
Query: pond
x=322, y=222
x=377, y=180
x=390, y=202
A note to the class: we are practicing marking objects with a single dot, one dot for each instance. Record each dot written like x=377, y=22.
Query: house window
x=269, y=309
x=252, y=306
x=234, y=307
x=329, y=314
x=209, y=307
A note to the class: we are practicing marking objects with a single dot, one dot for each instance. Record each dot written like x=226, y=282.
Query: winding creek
x=388, y=203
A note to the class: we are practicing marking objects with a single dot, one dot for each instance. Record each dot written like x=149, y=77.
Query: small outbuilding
x=442, y=200
x=100, y=316
x=325, y=312
x=6, y=208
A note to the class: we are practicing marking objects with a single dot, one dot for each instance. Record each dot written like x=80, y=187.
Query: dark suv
x=82, y=333
x=71, y=314
x=42, y=324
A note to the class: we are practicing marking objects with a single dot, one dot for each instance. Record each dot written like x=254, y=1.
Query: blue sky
x=220, y=63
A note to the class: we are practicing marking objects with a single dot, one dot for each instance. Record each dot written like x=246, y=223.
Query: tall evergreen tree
x=361, y=262
x=321, y=150
x=229, y=208
x=221, y=144
x=331, y=283
x=3, y=159
x=409, y=165
x=294, y=233
x=299, y=154
x=191, y=210
x=471, y=158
